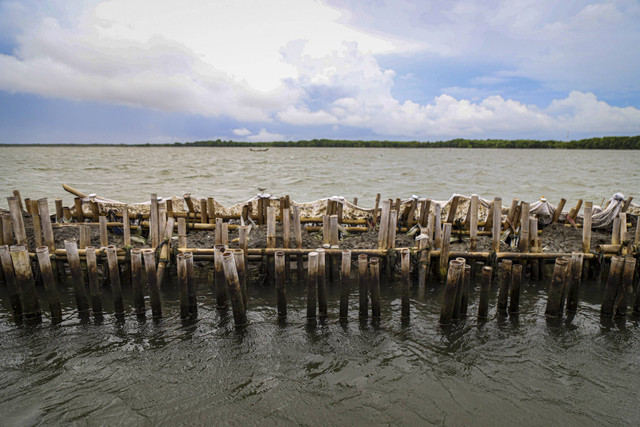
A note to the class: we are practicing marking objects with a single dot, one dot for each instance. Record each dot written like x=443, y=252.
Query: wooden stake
x=153, y=222
x=37, y=224
x=271, y=227
x=345, y=284
x=425, y=207
x=137, y=281
x=84, y=231
x=466, y=284
x=152, y=281
x=473, y=223
x=281, y=290
x=362, y=285
x=10, y=281
x=405, y=265
x=76, y=275
x=48, y=280
x=204, y=215
x=16, y=220
x=615, y=231
x=183, y=287
x=220, y=277
x=7, y=229
x=497, y=224
x=449, y=301
x=393, y=223
x=516, y=281
x=45, y=219
x=78, y=205
x=444, y=252
x=114, y=276
x=374, y=283
x=625, y=291
x=612, y=288
x=59, y=210
x=577, y=259
x=375, y=209
x=451, y=216
x=191, y=286
x=485, y=289
x=322, y=283
x=312, y=284
x=423, y=262
x=525, y=241
x=104, y=236
x=182, y=233
x=92, y=278
x=505, y=281
x=383, y=233
x=25, y=282
x=458, y=301
x=558, y=211
x=586, y=227
x=242, y=274
x=558, y=279
x=437, y=225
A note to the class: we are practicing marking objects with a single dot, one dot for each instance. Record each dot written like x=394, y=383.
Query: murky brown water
x=521, y=370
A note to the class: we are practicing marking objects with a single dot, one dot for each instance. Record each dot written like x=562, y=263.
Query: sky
x=156, y=71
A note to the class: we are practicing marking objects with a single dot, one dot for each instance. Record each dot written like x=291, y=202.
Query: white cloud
x=265, y=136
x=241, y=132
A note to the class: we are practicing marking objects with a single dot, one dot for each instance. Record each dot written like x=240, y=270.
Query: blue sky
x=118, y=71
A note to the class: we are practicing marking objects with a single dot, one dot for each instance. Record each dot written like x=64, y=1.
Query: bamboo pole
x=345, y=284
x=333, y=230
x=17, y=222
x=191, y=286
x=451, y=216
x=516, y=281
x=204, y=215
x=362, y=285
x=243, y=233
x=473, y=223
x=558, y=279
x=623, y=227
x=525, y=239
x=444, y=251
x=509, y=223
x=374, y=283
x=586, y=229
x=383, y=233
x=577, y=259
x=220, y=277
x=242, y=274
x=558, y=211
x=625, y=291
x=497, y=225
x=25, y=282
x=10, y=281
x=425, y=207
x=322, y=283
x=437, y=225
x=458, y=299
x=7, y=229
x=326, y=238
x=104, y=236
x=405, y=265
x=37, y=224
x=488, y=223
x=137, y=281
x=66, y=213
x=165, y=251
x=84, y=236
x=466, y=284
x=615, y=231
x=114, y=276
x=449, y=300
x=182, y=233
x=286, y=228
x=281, y=289
x=393, y=222
x=312, y=284
x=48, y=280
x=153, y=222
x=76, y=275
x=271, y=227
x=411, y=219
x=59, y=210
x=152, y=282
x=506, y=267
x=297, y=236
x=485, y=289
x=423, y=256
x=375, y=209
x=211, y=210
x=77, y=201
x=92, y=278
x=612, y=288
x=183, y=287
x=45, y=220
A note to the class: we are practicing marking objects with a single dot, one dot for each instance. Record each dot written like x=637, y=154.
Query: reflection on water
x=504, y=369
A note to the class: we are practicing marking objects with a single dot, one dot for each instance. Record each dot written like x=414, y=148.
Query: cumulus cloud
x=265, y=136
x=241, y=132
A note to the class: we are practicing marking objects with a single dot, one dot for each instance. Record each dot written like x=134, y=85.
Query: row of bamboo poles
x=433, y=243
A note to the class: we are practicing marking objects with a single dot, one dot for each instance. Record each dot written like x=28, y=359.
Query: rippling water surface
x=520, y=370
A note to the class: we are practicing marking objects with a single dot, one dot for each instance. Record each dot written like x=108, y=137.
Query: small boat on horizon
x=258, y=149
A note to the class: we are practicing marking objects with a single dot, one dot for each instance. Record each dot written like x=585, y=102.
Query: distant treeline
x=605, y=143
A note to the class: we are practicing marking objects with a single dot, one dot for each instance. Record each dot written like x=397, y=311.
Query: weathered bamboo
x=362, y=285
x=10, y=281
x=211, y=210
x=152, y=282
x=191, y=286
x=473, y=223
x=516, y=282
x=16, y=194
x=556, y=288
x=165, y=251
x=17, y=222
x=153, y=222
x=333, y=230
x=59, y=210
x=76, y=276
x=488, y=223
x=37, y=225
x=612, y=288
x=449, y=300
x=48, y=280
x=423, y=261
x=411, y=218
x=558, y=211
x=623, y=227
x=577, y=259
x=243, y=233
x=405, y=265
x=204, y=215
x=437, y=225
x=383, y=232
x=242, y=274
x=573, y=212
x=281, y=289
x=297, y=237
x=505, y=280
x=25, y=282
x=182, y=233
x=326, y=238
x=497, y=224
x=451, y=216
x=431, y=228
x=374, y=285
x=77, y=201
x=312, y=284
x=104, y=236
x=220, y=284
x=637, y=237
x=586, y=228
x=511, y=214
x=286, y=228
x=375, y=209
x=393, y=222
x=183, y=287
x=458, y=300
x=45, y=220
x=137, y=280
x=615, y=231
x=444, y=251
x=114, y=276
x=322, y=283
x=466, y=284
x=84, y=232
x=66, y=213
x=345, y=284
x=625, y=291
x=271, y=227
x=7, y=229
x=485, y=289
x=525, y=240
x=92, y=278
x=425, y=207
